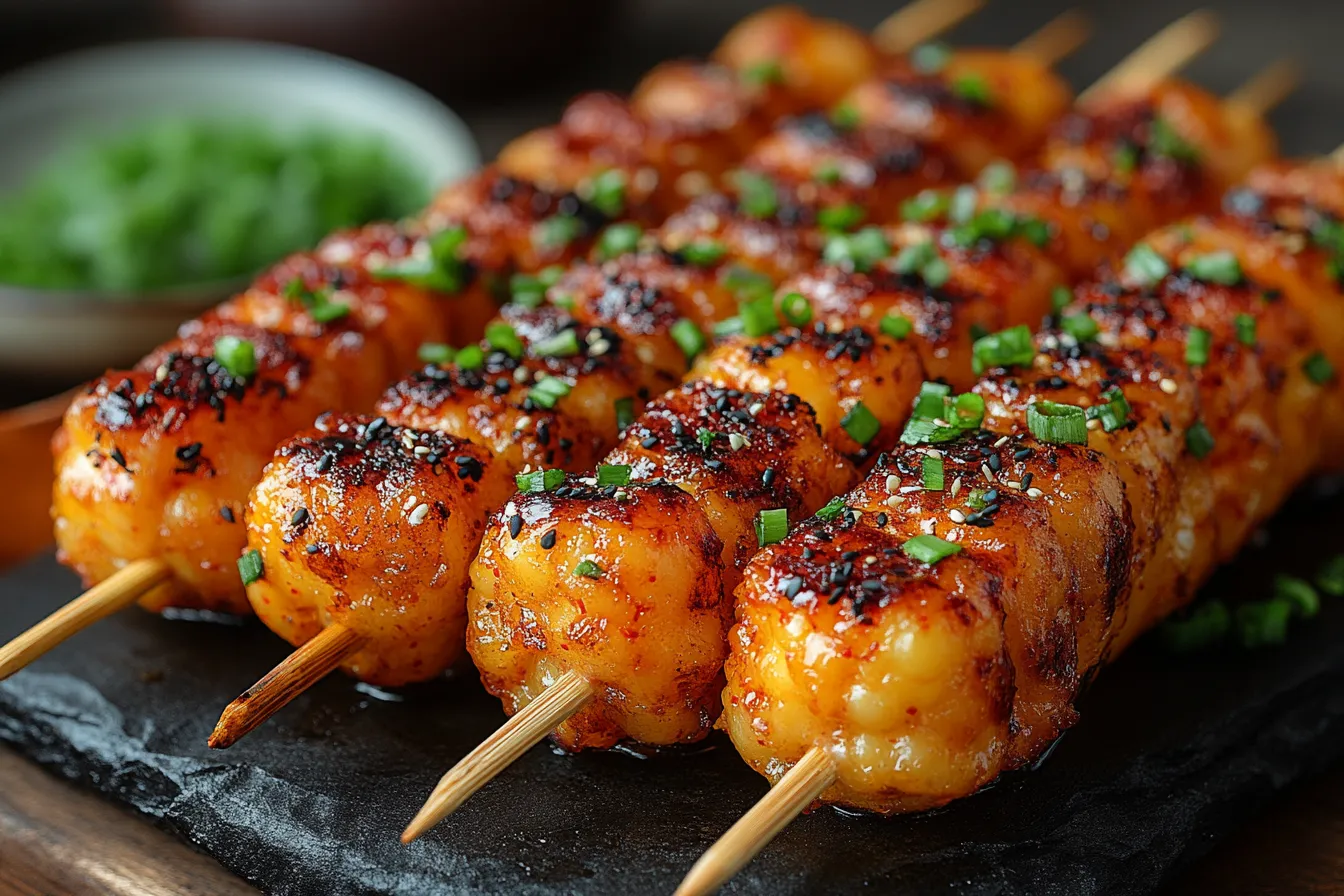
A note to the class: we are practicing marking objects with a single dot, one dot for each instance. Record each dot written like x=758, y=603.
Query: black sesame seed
x=227, y=512
x=768, y=477
x=312, y=549
x=650, y=442
x=850, y=555
x=1026, y=480
x=299, y=518
x=515, y=525
x=324, y=462
x=548, y=540
x=792, y=586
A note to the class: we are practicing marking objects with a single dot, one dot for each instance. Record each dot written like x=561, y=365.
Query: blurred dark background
x=507, y=65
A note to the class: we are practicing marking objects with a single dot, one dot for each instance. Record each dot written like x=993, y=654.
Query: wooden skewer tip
x=1268, y=87
x=1161, y=55
x=114, y=593
x=500, y=750
x=295, y=674
x=798, y=789
x=917, y=22
x=1058, y=38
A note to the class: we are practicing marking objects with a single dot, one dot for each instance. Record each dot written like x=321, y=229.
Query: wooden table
x=58, y=840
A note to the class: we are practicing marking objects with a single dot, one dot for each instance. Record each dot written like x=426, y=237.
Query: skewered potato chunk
x=372, y=526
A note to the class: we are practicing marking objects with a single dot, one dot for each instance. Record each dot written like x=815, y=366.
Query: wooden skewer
x=296, y=673
x=1268, y=87
x=917, y=22
x=798, y=789
x=518, y=735
x=117, y=591
x=1057, y=39
x=1160, y=56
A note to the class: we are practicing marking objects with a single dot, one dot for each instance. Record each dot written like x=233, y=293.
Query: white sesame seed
x=599, y=348
x=756, y=408
x=956, y=486
x=520, y=375
x=987, y=472
x=410, y=502
x=910, y=489
x=418, y=515
x=421, y=450
x=870, y=560
x=1169, y=386
x=1093, y=423
x=621, y=495
x=523, y=423
x=895, y=501
x=1012, y=483
x=1034, y=492
x=893, y=483
x=1001, y=442
x=956, y=516
x=737, y=441
x=161, y=373
x=593, y=336
x=510, y=509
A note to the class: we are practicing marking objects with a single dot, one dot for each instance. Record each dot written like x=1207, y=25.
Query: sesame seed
x=895, y=501
x=410, y=502
x=1001, y=442
x=421, y=450
x=987, y=472
x=515, y=525
x=548, y=540
x=893, y=483
x=599, y=348
x=1034, y=493
x=738, y=442
x=756, y=408
x=418, y=515
x=520, y=375
x=1168, y=386
x=956, y=487
x=956, y=516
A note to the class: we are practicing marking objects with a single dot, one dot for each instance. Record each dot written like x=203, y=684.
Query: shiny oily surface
x=1154, y=771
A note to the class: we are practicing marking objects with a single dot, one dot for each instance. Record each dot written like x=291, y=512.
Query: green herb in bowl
x=179, y=201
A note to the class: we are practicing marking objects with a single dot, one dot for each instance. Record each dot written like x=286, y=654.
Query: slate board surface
x=1172, y=752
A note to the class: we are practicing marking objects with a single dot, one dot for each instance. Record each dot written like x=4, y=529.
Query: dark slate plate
x=1172, y=752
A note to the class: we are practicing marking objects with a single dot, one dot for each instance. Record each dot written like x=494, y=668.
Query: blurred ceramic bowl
x=63, y=336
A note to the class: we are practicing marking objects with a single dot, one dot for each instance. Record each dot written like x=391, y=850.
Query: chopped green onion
x=840, y=218
x=613, y=474
x=1197, y=343
x=557, y=231
x=1246, y=329
x=326, y=312
x=617, y=240
x=625, y=412
x=529, y=290
x=757, y=195
x=925, y=206
x=930, y=58
x=833, y=510
x=897, y=326
x=961, y=206
x=845, y=117
x=588, y=570
x=540, y=480
x=729, y=326
x=436, y=353
x=1059, y=424
x=941, y=417
x=930, y=548
x=548, y=391
x=1114, y=413
x=827, y=172
x=705, y=437
x=703, y=253
x=1206, y=624
x=931, y=398
x=237, y=356
x=1330, y=577
x=974, y=89
x=688, y=338
x=936, y=272
x=1012, y=347
x=1145, y=267
x=1198, y=439
x=758, y=317
x=796, y=309
x=440, y=269
x=250, y=568
x=860, y=250
x=1126, y=158
x=931, y=469
x=564, y=344
x=975, y=499
x=1080, y=326
x=1318, y=369
x=1215, y=267
x=1298, y=592
x=563, y=300
x=772, y=526
x=606, y=192
x=1060, y=297
x=998, y=177
x=503, y=337
x=1034, y=231
x=747, y=284
x=469, y=357
x=1264, y=622
x=760, y=74
x=1164, y=141
x=861, y=424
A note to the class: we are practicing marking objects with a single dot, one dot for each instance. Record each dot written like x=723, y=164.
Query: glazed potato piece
x=547, y=397
x=777, y=244
x=825, y=165
x=156, y=463
x=860, y=385
x=1175, y=146
x=372, y=526
x=974, y=107
x=900, y=673
x=592, y=580
x=370, y=329
x=818, y=59
x=737, y=453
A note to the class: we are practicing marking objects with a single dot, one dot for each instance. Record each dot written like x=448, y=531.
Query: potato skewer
x=1210, y=366
x=491, y=600
x=492, y=205
x=643, y=351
